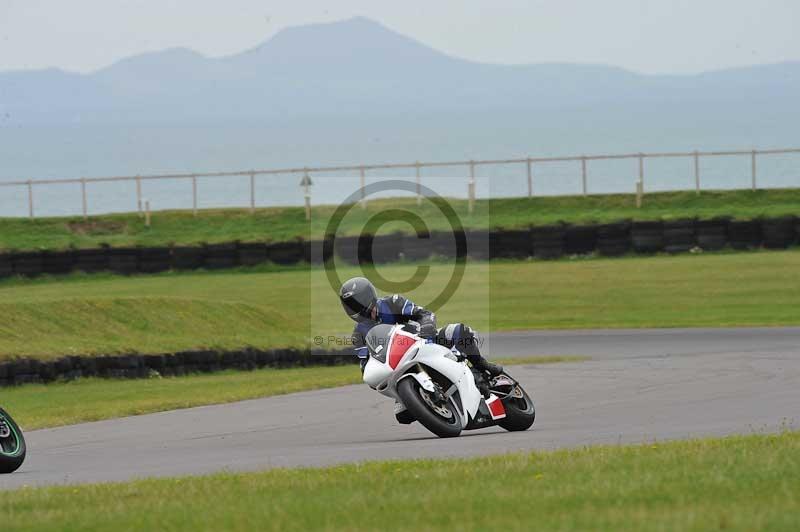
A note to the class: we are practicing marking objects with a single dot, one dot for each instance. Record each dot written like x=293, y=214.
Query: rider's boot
x=480, y=363
x=468, y=344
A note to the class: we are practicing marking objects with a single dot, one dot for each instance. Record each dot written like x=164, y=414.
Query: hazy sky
x=654, y=36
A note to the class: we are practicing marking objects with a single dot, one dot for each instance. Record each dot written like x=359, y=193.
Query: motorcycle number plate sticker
x=496, y=408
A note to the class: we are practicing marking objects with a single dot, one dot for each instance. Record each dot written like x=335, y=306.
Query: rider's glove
x=427, y=330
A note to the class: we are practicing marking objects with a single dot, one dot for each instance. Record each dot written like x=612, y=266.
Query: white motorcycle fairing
x=408, y=356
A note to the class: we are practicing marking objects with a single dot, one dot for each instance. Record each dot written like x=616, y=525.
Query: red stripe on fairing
x=400, y=344
x=496, y=407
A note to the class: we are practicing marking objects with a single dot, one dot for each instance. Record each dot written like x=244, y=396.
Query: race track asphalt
x=639, y=386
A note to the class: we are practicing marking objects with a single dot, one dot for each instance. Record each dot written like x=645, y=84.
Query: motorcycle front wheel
x=12, y=444
x=439, y=417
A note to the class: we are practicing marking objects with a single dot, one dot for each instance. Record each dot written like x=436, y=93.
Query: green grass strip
x=286, y=223
x=735, y=483
x=230, y=310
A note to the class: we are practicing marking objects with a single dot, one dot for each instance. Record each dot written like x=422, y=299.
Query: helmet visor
x=355, y=309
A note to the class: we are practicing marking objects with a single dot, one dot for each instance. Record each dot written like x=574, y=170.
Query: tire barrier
x=614, y=239
x=477, y=245
x=221, y=256
x=152, y=260
x=317, y=251
x=28, y=264
x=124, y=261
x=443, y=244
x=712, y=235
x=541, y=242
x=6, y=266
x=744, y=234
x=580, y=239
x=512, y=244
x=647, y=237
x=548, y=241
x=136, y=366
x=778, y=233
x=346, y=248
x=188, y=258
x=252, y=254
x=385, y=249
x=679, y=236
x=285, y=252
x=57, y=262
x=91, y=260
x=416, y=247
x=797, y=230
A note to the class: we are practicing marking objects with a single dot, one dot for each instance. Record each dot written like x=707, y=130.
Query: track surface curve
x=640, y=385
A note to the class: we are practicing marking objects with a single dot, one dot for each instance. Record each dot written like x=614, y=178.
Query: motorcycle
x=12, y=444
x=438, y=388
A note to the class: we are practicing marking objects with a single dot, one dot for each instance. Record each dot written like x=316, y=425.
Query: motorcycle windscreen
x=397, y=350
x=377, y=340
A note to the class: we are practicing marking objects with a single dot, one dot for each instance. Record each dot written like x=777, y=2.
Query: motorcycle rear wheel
x=520, y=412
x=12, y=447
x=410, y=393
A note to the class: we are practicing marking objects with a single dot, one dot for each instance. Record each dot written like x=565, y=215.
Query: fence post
x=419, y=184
x=139, y=194
x=30, y=198
x=306, y=182
x=696, y=172
x=530, y=177
x=363, y=192
x=639, y=194
x=583, y=173
x=640, y=183
x=471, y=187
x=194, y=195
x=83, y=197
x=753, y=168
x=252, y=193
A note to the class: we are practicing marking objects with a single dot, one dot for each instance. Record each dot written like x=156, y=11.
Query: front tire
x=12, y=447
x=520, y=411
x=436, y=421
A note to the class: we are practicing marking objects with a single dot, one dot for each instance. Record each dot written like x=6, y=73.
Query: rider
x=361, y=302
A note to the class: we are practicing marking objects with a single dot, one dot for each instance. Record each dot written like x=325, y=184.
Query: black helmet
x=358, y=296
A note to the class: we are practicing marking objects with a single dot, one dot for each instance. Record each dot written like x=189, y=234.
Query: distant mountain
x=358, y=67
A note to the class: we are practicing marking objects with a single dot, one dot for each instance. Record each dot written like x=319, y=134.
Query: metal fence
x=526, y=165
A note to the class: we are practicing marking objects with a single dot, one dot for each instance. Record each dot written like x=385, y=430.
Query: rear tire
x=12, y=448
x=410, y=392
x=520, y=412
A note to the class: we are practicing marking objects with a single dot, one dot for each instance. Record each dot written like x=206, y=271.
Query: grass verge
x=106, y=314
x=286, y=223
x=65, y=403
x=37, y=406
x=734, y=483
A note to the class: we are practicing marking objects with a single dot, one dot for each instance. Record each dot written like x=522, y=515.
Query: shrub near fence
x=541, y=242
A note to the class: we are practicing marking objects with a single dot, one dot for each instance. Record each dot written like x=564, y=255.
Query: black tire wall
x=132, y=366
x=541, y=242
